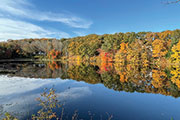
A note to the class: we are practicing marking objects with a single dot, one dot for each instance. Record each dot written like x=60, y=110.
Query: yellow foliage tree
x=175, y=72
x=158, y=78
x=159, y=48
x=175, y=57
x=121, y=55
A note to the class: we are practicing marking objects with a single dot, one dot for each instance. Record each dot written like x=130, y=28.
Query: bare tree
x=172, y=2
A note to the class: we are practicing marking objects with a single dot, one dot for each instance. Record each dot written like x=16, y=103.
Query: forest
x=124, y=48
x=142, y=62
x=149, y=60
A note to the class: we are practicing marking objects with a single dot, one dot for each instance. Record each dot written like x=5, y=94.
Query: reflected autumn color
x=131, y=77
x=142, y=62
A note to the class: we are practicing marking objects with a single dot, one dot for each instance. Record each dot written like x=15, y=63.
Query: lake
x=93, y=90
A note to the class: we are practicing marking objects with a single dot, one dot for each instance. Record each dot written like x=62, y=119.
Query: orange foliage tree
x=54, y=54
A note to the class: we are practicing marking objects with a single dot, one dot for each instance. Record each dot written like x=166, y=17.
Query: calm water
x=126, y=93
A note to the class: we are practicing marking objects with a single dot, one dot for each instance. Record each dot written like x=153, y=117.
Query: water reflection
x=130, y=78
x=99, y=88
x=20, y=100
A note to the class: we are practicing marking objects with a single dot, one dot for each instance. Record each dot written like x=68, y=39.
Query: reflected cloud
x=15, y=85
x=75, y=93
x=23, y=103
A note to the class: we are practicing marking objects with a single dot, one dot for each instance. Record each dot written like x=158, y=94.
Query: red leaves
x=54, y=54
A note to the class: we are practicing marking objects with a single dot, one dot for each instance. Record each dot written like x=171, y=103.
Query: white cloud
x=13, y=7
x=13, y=29
x=75, y=92
x=16, y=85
x=14, y=15
x=69, y=20
x=23, y=8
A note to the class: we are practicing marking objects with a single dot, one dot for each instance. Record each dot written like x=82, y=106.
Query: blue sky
x=69, y=18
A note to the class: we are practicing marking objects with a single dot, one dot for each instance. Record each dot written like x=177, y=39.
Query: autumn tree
x=159, y=48
x=121, y=55
x=175, y=57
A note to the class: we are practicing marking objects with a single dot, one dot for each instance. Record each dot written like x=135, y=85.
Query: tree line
x=130, y=47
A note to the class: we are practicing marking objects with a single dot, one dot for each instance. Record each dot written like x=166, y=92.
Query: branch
x=172, y=2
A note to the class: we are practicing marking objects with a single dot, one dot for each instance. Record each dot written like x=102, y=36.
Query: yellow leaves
x=159, y=49
x=175, y=57
x=123, y=46
x=75, y=59
x=158, y=78
x=122, y=71
x=48, y=102
x=175, y=72
x=78, y=60
x=121, y=54
x=176, y=48
x=52, y=116
x=145, y=63
x=176, y=75
x=9, y=117
x=165, y=35
x=123, y=77
x=178, y=83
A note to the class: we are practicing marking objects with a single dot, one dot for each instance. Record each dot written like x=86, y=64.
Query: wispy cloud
x=23, y=8
x=13, y=29
x=69, y=20
x=13, y=7
x=75, y=92
x=15, y=17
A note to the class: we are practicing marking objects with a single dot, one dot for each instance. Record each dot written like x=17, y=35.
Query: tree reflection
x=130, y=77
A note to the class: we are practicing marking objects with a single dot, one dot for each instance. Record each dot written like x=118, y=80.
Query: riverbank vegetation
x=130, y=47
x=52, y=109
x=143, y=61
